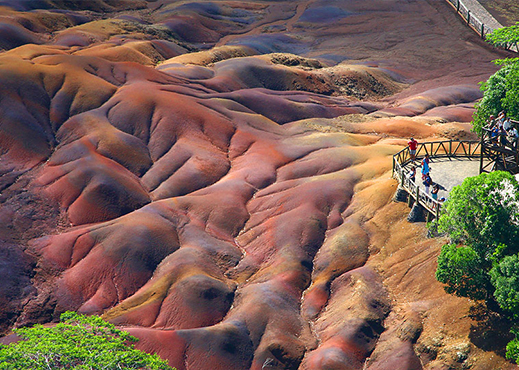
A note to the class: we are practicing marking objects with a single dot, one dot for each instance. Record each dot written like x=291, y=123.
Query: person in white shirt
x=514, y=136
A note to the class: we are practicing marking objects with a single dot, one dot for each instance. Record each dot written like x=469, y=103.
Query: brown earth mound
x=215, y=177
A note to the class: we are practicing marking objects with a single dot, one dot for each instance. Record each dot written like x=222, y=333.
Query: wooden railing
x=435, y=149
x=501, y=151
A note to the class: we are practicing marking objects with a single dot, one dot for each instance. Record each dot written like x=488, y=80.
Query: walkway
x=482, y=14
x=449, y=172
x=451, y=162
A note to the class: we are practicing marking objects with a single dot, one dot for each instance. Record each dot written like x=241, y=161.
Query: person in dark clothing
x=427, y=182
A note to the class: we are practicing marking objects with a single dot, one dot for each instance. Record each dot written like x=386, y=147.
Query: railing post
x=483, y=31
x=468, y=17
x=458, y=6
x=482, y=143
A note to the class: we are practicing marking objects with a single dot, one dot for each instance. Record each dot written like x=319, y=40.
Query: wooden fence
x=500, y=151
x=435, y=149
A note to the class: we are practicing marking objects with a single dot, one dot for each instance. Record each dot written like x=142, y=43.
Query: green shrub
x=77, y=342
x=501, y=90
x=459, y=268
x=482, y=213
x=505, y=278
x=512, y=348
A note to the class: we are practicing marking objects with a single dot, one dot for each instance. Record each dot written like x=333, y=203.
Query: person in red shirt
x=413, y=144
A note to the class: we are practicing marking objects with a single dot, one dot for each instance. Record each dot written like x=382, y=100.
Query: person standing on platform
x=412, y=144
x=427, y=182
x=412, y=174
x=434, y=191
x=425, y=166
x=514, y=136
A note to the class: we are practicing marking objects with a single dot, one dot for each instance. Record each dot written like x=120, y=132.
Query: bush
x=512, y=348
x=501, y=90
x=505, y=37
x=482, y=212
x=77, y=342
x=505, y=278
x=459, y=268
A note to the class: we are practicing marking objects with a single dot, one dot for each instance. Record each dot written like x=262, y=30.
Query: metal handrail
x=435, y=149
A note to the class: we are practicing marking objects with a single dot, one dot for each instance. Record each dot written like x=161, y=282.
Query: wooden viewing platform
x=411, y=192
x=500, y=152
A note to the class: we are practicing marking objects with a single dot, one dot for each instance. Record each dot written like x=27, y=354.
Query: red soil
x=232, y=207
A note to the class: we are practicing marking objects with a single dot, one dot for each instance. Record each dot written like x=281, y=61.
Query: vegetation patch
x=78, y=342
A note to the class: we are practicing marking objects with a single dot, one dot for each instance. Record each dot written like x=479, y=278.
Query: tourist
x=427, y=182
x=502, y=136
x=494, y=134
x=514, y=136
x=507, y=124
x=412, y=144
x=434, y=192
x=501, y=118
x=425, y=166
x=412, y=174
x=490, y=126
x=491, y=121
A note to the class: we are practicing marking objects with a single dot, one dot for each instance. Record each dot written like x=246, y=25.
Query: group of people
x=426, y=171
x=503, y=130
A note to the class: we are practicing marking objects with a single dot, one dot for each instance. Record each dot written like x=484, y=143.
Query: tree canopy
x=501, y=90
x=505, y=36
x=482, y=219
x=483, y=212
x=500, y=93
x=78, y=342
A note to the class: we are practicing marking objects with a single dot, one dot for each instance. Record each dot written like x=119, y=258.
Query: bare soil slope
x=216, y=178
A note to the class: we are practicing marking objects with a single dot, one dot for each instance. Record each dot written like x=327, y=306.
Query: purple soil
x=229, y=208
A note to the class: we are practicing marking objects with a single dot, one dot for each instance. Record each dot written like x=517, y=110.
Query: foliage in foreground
x=500, y=93
x=482, y=213
x=77, y=342
x=501, y=90
x=488, y=269
x=505, y=37
x=482, y=219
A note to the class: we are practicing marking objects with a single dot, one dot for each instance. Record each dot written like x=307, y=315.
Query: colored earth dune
x=215, y=177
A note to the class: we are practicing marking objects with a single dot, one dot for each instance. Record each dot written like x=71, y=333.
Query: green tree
x=505, y=278
x=483, y=213
x=501, y=90
x=459, y=268
x=504, y=37
x=512, y=348
x=77, y=342
x=500, y=93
